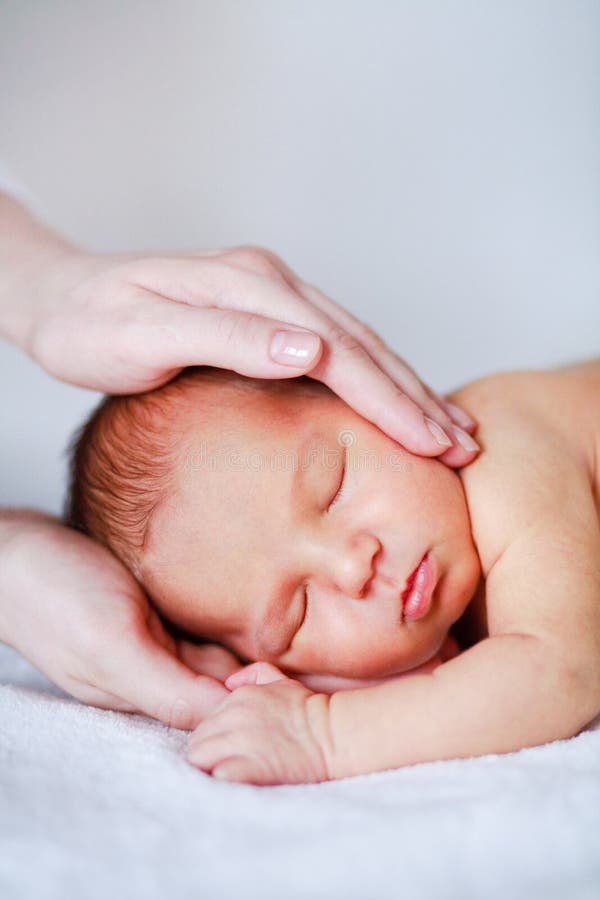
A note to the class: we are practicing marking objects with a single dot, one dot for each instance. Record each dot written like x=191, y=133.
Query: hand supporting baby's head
x=270, y=517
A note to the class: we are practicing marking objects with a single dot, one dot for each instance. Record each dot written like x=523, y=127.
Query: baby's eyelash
x=305, y=608
x=303, y=619
x=339, y=491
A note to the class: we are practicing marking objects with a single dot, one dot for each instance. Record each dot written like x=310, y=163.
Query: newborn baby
x=271, y=518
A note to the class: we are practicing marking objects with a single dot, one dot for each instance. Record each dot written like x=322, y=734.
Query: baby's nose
x=354, y=564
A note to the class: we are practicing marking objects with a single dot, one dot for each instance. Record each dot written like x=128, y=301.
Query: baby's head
x=270, y=517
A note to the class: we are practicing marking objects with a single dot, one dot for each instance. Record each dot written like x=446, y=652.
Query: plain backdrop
x=433, y=166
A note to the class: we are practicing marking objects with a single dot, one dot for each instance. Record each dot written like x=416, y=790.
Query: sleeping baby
x=385, y=610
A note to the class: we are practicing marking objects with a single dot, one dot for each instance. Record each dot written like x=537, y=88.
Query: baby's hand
x=270, y=730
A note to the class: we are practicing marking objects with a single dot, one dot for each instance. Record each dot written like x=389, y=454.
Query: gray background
x=433, y=166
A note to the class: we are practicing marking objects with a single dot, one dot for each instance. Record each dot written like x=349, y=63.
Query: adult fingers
x=401, y=373
x=352, y=335
x=445, y=414
x=265, y=262
x=179, y=335
x=344, y=365
x=151, y=679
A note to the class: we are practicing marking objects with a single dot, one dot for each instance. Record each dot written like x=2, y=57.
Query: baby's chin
x=373, y=669
x=323, y=683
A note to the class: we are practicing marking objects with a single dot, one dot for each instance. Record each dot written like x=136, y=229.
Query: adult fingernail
x=294, y=348
x=464, y=439
x=460, y=416
x=438, y=433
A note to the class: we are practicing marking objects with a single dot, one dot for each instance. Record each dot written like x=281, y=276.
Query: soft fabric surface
x=97, y=804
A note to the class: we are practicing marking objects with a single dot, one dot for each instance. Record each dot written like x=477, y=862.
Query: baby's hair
x=122, y=461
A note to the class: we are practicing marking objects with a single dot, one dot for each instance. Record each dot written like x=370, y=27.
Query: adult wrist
x=29, y=253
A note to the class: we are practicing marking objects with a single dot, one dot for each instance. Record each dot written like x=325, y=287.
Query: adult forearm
x=503, y=694
x=28, y=251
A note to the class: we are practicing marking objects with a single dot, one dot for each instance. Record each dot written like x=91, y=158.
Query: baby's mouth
x=417, y=595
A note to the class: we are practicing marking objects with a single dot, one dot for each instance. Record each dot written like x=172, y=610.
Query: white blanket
x=97, y=804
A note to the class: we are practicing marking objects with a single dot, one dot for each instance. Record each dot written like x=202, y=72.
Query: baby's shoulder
x=534, y=512
x=564, y=402
x=535, y=463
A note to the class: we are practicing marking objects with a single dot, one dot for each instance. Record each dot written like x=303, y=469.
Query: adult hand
x=70, y=607
x=129, y=322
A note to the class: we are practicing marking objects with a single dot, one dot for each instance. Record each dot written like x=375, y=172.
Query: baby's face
x=291, y=534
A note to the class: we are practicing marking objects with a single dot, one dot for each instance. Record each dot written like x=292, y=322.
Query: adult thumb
x=158, y=684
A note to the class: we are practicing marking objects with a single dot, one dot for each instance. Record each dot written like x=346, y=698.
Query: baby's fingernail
x=460, y=416
x=438, y=432
x=294, y=348
x=464, y=439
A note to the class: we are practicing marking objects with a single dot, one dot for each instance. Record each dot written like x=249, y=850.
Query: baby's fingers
x=218, y=757
x=208, y=752
x=241, y=769
x=255, y=673
x=221, y=751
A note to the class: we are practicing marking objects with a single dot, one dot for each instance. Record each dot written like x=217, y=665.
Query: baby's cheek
x=342, y=660
x=334, y=643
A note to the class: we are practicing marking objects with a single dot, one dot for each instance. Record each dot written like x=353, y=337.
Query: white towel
x=96, y=804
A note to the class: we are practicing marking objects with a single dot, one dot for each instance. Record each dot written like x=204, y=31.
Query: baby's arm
x=503, y=694
x=534, y=680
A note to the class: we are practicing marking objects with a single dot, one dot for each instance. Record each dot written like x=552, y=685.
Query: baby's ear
x=255, y=673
